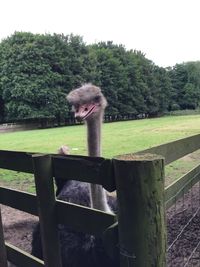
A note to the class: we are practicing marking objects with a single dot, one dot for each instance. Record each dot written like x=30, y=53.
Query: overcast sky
x=167, y=31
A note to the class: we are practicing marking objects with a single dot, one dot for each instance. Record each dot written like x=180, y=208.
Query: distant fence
x=69, y=120
x=124, y=117
x=12, y=127
x=136, y=235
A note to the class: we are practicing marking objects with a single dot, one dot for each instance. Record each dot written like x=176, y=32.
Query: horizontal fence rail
x=86, y=169
x=79, y=218
x=21, y=258
x=66, y=213
x=16, y=161
x=19, y=200
x=81, y=168
x=177, y=189
x=177, y=149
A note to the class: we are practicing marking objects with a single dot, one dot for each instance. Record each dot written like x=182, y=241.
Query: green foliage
x=37, y=71
x=30, y=87
x=186, y=85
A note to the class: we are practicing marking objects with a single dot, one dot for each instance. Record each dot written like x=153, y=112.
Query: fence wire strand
x=183, y=226
x=192, y=254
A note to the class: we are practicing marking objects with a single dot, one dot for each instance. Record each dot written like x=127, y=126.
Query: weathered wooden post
x=140, y=193
x=3, y=256
x=46, y=207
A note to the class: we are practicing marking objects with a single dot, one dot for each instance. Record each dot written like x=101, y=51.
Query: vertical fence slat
x=140, y=192
x=3, y=255
x=46, y=207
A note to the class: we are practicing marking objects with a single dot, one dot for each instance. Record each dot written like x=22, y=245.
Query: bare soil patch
x=18, y=227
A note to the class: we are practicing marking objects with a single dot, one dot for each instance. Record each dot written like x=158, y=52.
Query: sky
x=166, y=31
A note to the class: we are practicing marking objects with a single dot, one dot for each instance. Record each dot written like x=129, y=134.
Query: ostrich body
x=79, y=249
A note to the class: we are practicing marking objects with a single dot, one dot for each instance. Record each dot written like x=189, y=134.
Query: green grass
x=118, y=138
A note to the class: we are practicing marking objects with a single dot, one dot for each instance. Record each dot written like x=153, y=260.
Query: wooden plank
x=177, y=189
x=46, y=207
x=72, y=215
x=86, y=169
x=22, y=258
x=141, y=220
x=83, y=219
x=16, y=161
x=176, y=149
x=82, y=168
x=19, y=200
x=3, y=254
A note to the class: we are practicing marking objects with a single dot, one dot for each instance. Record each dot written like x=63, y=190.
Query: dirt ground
x=18, y=227
x=183, y=226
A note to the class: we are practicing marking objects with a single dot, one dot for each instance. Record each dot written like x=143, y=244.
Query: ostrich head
x=88, y=102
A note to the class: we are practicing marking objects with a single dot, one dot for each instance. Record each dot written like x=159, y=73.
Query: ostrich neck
x=97, y=193
x=94, y=136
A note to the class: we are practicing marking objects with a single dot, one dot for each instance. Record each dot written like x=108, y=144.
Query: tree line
x=37, y=71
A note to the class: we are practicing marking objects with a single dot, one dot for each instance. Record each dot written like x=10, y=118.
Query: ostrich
x=89, y=103
x=79, y=249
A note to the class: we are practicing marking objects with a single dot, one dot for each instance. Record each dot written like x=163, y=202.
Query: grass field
x=118, y=138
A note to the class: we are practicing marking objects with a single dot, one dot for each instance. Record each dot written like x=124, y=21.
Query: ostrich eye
x=86, y=109
x=97, y=99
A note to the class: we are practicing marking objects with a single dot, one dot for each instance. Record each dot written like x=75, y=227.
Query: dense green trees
x=34, y=71
x=185, y=85
x=37, y=71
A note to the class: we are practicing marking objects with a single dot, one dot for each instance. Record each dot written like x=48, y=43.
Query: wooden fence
x=137, y=235
x=41, y=123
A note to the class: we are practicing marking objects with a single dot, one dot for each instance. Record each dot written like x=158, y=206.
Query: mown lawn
x=117, y=138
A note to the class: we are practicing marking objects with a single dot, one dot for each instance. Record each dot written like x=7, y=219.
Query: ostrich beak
x=84, y=111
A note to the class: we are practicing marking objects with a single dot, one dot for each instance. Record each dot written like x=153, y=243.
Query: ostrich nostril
x=78, y=118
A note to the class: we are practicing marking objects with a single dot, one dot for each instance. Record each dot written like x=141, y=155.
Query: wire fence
x=183, y=229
